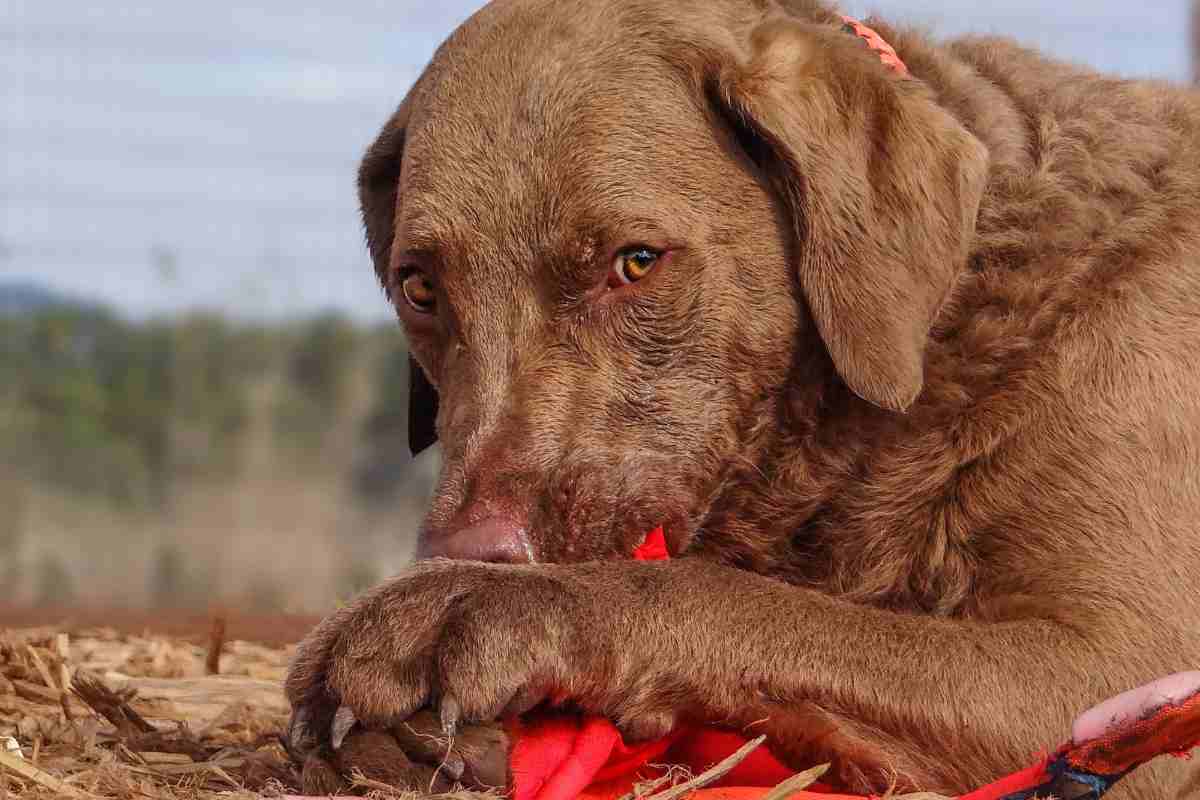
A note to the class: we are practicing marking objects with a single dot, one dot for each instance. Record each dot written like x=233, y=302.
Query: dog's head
x=619, y=232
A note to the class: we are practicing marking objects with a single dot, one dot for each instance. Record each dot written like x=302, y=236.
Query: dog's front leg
x=930, y=703
x=883, y=695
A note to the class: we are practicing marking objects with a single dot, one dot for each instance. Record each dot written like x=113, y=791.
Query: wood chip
x=36, y=693
x=201, y=699
x=223, y=775
x=26, y=770
x=13, y=705
x=797, y=783
x=216, y=640
x=157, y=759
x=194, y=768
x=41, y=667
x=113, y=706
x=704, y=779
x=62, y=647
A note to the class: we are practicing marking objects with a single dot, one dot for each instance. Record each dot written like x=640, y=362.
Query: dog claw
x=300, y=740
x=449, y=712
x=343, y=721
x=647, y=727
x=524, y=701
x=453, y=767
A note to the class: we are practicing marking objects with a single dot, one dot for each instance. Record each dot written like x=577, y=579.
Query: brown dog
x=907, y=367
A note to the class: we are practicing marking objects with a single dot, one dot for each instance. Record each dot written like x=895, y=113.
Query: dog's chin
x=624, y=536
x=678, y=533
x=628, y=539
x=588, y=529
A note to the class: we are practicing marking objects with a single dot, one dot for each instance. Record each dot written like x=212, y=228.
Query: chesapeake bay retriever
x=907, y=365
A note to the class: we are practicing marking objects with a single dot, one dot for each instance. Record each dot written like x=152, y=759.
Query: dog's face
x=617, y=234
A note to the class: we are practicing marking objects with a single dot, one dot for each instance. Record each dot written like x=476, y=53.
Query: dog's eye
x=632, y=265
x=418, y=291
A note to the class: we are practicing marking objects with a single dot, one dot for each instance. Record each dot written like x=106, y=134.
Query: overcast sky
x=161, y=154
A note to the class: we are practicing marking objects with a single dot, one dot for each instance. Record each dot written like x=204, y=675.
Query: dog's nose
x=497, y=540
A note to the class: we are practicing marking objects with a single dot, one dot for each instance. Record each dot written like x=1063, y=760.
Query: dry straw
x=105, y=715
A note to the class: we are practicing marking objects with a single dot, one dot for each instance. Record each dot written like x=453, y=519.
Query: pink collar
x=887, y=54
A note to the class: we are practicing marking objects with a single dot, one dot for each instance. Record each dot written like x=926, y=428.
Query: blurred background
x=202, y=393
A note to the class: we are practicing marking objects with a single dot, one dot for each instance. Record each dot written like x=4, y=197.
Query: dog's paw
x=414, y=756
x=472, y=642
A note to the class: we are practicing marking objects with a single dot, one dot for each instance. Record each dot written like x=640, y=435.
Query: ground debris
x=99, y=714
x=111, y=704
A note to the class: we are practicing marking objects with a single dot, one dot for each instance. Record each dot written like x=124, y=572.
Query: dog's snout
x=495, y=539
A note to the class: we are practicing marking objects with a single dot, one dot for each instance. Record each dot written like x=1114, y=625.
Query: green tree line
x=97, y=404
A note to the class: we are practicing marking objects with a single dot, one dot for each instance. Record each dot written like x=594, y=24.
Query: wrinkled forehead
x=532, y=126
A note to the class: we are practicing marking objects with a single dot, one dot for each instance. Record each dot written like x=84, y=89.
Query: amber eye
x=418, y=291
x=632, y=265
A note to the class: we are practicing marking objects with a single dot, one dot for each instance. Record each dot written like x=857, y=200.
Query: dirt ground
x=103, y=704
x=123, y=703
x=92, y=712
x=117, y=704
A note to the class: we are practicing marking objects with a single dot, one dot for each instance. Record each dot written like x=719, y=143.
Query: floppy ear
x=378, y=194
x=881, y=183
x=422, y=409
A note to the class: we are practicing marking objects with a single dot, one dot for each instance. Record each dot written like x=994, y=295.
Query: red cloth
x=653, y=547
x=568, y=757
x=563, y=757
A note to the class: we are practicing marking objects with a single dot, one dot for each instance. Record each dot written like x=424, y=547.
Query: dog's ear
x=882, y=185
x=422, y=409
x=379, y=188
x=378, y=195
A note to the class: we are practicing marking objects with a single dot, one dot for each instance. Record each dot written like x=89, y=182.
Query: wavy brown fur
x=924, y=355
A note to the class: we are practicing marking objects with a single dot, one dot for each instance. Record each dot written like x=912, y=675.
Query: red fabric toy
x=561, y=757
x=568, y=757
